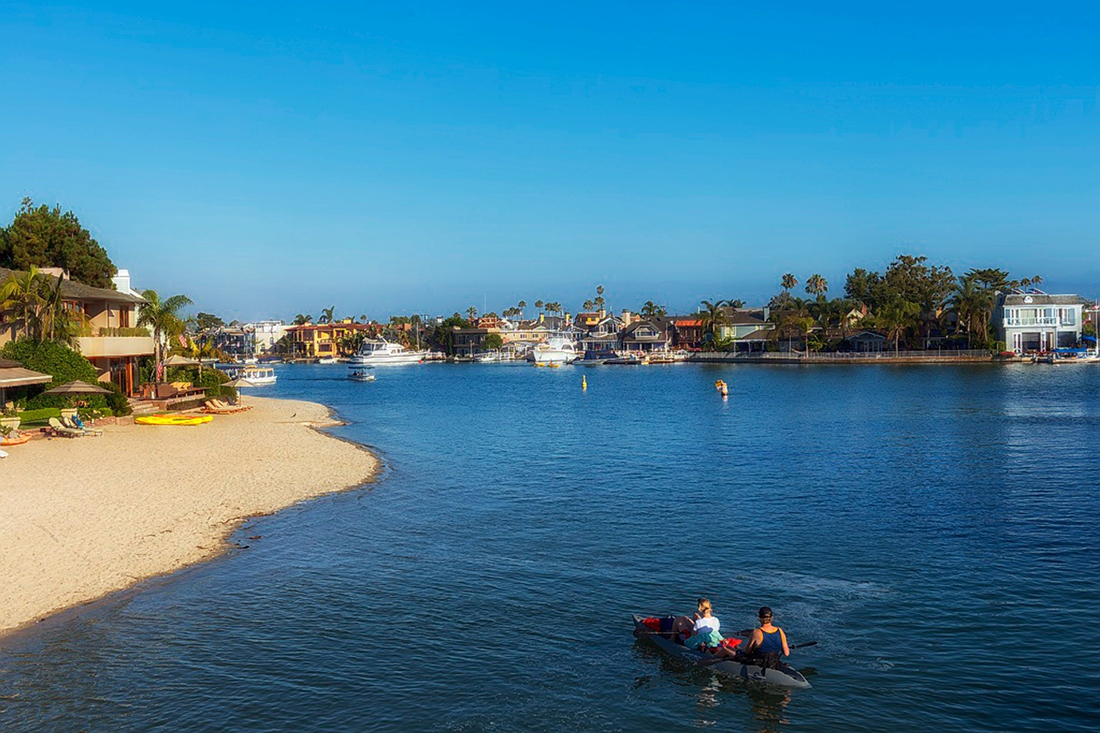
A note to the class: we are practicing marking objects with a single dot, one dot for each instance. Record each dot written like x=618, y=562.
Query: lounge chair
x=62, y=431
x=75, y=423
x=231, y=408
x=213, y=408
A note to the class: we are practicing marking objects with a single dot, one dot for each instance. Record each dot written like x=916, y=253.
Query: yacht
x=555, y=351
x=380, y=351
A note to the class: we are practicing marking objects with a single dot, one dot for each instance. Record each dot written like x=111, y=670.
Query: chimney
x=767, y=312
x=626, y=317
x=122, y=281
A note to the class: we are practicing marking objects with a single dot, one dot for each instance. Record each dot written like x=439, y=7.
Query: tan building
x=324, y=339
x=108, y=336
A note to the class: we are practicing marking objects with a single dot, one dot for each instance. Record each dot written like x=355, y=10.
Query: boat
x=360, y=373
x=327, y=360
x=489, y=357
x=178, y=419
x=555, y=351
x=256, y=375
x=381, y=351
x=250, y=360
x=782, y=675
x=625, y=359
x=18, y=439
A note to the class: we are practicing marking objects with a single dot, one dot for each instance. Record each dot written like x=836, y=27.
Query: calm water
x=934, y=528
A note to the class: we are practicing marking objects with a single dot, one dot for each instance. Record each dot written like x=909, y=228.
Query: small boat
x=782, y=675
x=626, y=359
x=19, y=439
x=360, y=373
x=257, y=375
x=327, y=360
x=173, y=419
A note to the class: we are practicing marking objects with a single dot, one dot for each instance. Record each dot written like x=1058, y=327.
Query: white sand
x=82, y=517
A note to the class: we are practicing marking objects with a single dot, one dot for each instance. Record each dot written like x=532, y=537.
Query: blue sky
x=429, y=156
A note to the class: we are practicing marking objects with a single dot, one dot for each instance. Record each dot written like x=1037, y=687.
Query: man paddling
x=768, y=644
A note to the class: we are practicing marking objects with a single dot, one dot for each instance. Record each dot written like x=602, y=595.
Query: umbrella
x=177, y=360
x=237, y=384
x=77, y=387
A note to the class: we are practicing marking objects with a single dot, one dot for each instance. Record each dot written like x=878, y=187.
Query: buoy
x=584, y=383
x=721, y=388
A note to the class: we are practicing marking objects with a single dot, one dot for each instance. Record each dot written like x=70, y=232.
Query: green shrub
x=212, y=379
x=60, y=362
x=39, y=415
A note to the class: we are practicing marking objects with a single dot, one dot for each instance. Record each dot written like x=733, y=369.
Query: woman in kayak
x=768, y=644
x=701, y=620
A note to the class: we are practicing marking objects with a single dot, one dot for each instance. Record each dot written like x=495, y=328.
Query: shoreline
x=82, y=519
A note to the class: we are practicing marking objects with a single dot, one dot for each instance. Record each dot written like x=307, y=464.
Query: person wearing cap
x=768, y=643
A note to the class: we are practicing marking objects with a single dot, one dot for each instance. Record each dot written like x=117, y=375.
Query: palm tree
x=538, y=304
x=163, y=317
x=713, y=315
x=300, y=320
x=789, y=282
x=651, y=309
x=896, y=317
x=471, y=312
x=21, y=294
x=521, y=305
x=589, y=305
x=816, y=285
x=327, y=314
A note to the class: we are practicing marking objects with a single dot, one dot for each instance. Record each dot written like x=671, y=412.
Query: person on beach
x=768, y=643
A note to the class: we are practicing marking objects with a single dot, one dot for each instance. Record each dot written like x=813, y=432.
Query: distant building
x=326, y=339
x=1034, y=321
x=646, y=334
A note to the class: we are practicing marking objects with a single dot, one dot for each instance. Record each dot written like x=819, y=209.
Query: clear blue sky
x=428, y=156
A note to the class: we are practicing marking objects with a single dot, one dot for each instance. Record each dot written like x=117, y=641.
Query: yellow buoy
x=584, y=383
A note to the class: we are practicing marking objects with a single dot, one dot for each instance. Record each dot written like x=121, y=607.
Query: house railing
x=1040, y=321
x=114, y=332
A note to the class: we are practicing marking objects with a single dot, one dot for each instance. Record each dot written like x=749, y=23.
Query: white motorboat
x=380, y=351
x=554, y=351
x=327, y=360
x=257, y=375
x=360, y=373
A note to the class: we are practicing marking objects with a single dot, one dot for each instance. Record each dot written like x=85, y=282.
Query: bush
x=40, y=415
x=61, y=363
x=212, y=379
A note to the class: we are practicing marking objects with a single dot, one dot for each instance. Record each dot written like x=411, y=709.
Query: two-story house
x=646, y=334
x=108, y=335
x=1034, y=321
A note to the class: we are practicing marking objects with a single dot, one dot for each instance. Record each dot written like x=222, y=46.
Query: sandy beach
x=80, y=518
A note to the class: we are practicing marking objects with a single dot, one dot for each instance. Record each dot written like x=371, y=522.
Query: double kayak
x=173, y=419
x=781, y=675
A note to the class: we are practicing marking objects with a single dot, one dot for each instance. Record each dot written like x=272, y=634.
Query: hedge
x=64, y=365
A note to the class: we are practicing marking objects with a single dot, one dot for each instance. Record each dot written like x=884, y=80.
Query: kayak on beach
x=173, y=419
x=782, y=675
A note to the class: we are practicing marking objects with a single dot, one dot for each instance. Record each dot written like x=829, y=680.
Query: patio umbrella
x=179, y=360
x=237, y=384
x=77, y=387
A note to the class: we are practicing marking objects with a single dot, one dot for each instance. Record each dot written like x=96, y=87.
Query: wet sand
x=80, y=518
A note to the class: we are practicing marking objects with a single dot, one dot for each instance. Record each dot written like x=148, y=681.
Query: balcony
x=112, y=343
x=1041, y=321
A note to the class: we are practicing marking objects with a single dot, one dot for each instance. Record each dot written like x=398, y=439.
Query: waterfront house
x=323, y=340
x=646, y=334
x=1034, y=321
x=108, y=335
x=687, y=332
x=597, y=333
x=866, y=341
x=740, y=322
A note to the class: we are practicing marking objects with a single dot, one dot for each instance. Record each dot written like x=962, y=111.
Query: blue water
x=935, y=528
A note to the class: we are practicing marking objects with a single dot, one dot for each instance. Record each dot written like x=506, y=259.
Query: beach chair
x=61, y=431
x=234, y=407
x=213, y=407
x=76, y=423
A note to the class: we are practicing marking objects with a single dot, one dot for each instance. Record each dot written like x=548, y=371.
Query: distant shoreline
x=83, y=518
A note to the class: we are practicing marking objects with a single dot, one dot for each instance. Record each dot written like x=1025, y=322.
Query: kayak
x=782, y=675
x=173, y=419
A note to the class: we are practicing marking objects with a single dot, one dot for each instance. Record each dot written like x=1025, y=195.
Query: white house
x=1036, y=321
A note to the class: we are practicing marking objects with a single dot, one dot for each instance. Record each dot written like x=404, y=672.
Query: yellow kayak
x=173, y=419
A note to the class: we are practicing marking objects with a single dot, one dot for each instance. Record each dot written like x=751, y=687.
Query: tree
x=788, y=282
x=206, y=322
x=862, y=286
x=521, y=305
x=713, y=315
x=816, y=286
x=599, y=302
x=21, y=295
x=162, y=316
x=300, y=320
x=492, y=341
x=589, y=305
x=471, y=312
x=538, y=304
x=652, y=310
x=896, y=317
x=327, y=314
x=45, y=237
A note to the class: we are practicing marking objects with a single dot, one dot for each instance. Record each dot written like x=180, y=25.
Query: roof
x=687, y=321
x=72, y=290
x=630, y=331
x=867, y=336
x=338, y=324
x=18, y=376
x=1016, y=299
x=760, y=334
x=743, y=318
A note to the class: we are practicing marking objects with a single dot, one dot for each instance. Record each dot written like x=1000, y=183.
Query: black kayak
x=781, y=675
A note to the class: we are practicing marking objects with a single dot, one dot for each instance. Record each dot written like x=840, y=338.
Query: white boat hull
x=412, y=357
